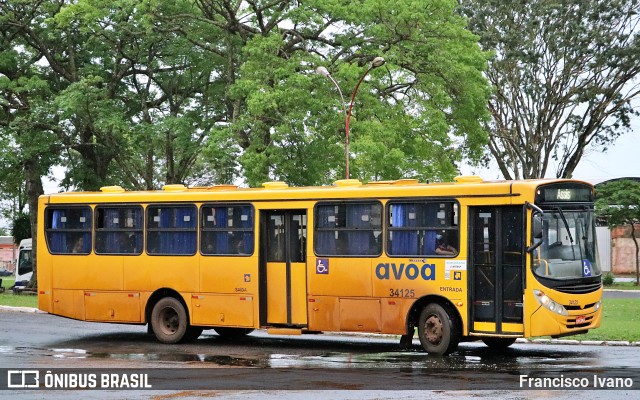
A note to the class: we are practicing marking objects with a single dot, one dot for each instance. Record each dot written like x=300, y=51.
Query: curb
x=622, y=290
x=578, y=342
x=22, y=309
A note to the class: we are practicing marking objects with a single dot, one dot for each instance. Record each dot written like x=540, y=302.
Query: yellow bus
x=461, y=261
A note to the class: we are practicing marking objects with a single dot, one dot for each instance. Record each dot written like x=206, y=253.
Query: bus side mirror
x=536, y=226
x=536, y=231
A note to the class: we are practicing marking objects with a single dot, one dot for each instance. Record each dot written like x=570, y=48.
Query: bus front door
x=497, y=260
x=283, y=296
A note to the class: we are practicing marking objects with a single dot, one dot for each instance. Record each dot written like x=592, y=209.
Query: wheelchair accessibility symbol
x=322, y=266
x=586, y=268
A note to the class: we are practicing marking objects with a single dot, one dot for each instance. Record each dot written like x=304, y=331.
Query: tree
x=28, y=140
x=21, y=227
x=619, y=203
x=416, y=117
x=141, y=109
x=153, y=92
x=564, y=76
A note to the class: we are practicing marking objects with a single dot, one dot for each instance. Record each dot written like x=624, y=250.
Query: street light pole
x=377, y=62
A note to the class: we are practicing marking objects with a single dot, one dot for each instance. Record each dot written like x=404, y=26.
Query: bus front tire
x=169, y=320
x=439, y=332
x=498, y=343
x=232, y=333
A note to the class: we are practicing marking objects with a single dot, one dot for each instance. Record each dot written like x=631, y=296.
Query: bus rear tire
x=498, y=343
x=169, y=320
x=232, y=333
x=439, y=332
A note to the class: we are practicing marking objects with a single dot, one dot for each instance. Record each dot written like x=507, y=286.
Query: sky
x=621, y=160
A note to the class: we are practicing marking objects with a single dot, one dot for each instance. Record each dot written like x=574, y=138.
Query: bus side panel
x=219, y=274
x=360, y=315
x=324, y=313
x=87, y=272
x=150, y=273
x=348, y=277
x=45, y=296
x=112, y=307
x=394, y=315
x=327, y=313
x=222, y=310
x=68, y=303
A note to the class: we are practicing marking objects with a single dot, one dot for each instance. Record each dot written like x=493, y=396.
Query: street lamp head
x=322, y=71
x=377, y=62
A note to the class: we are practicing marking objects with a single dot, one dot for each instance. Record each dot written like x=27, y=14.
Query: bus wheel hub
x=433, y=329
x=170, y=321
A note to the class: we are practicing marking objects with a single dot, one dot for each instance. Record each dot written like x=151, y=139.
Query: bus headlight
x=597, y=306
x=549, y=304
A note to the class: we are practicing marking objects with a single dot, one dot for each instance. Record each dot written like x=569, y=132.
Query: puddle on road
x=69, y=353
x=218, y=360
x=469, y=357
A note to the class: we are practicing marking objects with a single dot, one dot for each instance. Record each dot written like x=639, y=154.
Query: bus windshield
x=568, y=249
x=24, y=262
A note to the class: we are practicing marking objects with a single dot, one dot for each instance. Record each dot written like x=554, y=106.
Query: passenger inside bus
x=443, y=247
x=78, y=247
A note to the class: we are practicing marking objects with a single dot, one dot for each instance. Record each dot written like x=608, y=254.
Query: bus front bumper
x=546, y=323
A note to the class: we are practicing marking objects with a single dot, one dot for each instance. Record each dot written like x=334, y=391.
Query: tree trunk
x=635, y=241
x=34, y=190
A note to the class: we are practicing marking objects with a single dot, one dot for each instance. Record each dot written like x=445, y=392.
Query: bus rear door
x=283, y=291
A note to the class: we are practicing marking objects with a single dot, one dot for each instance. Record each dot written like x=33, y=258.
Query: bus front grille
x=579, y=288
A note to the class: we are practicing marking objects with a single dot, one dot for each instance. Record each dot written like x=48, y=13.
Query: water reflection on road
x=263, y=351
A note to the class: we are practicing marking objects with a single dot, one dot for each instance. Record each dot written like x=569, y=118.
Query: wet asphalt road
x=621, y=294
x=299, y=363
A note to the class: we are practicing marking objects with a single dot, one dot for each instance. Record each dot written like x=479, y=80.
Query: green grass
x=620, y=321
x=9, y=299
x=623, y=286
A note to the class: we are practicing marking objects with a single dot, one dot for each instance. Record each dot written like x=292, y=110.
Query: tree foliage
x=153, y=92
x=564, y=77
x=619, y=203
x=21, y=227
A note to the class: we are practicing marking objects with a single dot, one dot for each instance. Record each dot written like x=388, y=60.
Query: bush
x=607, y=279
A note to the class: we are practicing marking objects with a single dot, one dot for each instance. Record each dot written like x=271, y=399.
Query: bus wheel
x=498, y=343
x=232, y=333
x=439, y=332
x=169, y=320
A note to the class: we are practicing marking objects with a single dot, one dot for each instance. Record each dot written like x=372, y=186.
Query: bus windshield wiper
x=566, y=224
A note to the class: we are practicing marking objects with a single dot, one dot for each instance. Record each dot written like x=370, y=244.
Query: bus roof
x=464, y=186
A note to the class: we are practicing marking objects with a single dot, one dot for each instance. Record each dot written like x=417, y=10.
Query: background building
x=8, y=253
x=620, y=251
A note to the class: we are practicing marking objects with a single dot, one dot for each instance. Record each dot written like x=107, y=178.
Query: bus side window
x=348, y=229
x=414, y=227
x=119, y=230
x=172, y=230
x=68, y=230
x=227, y=230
